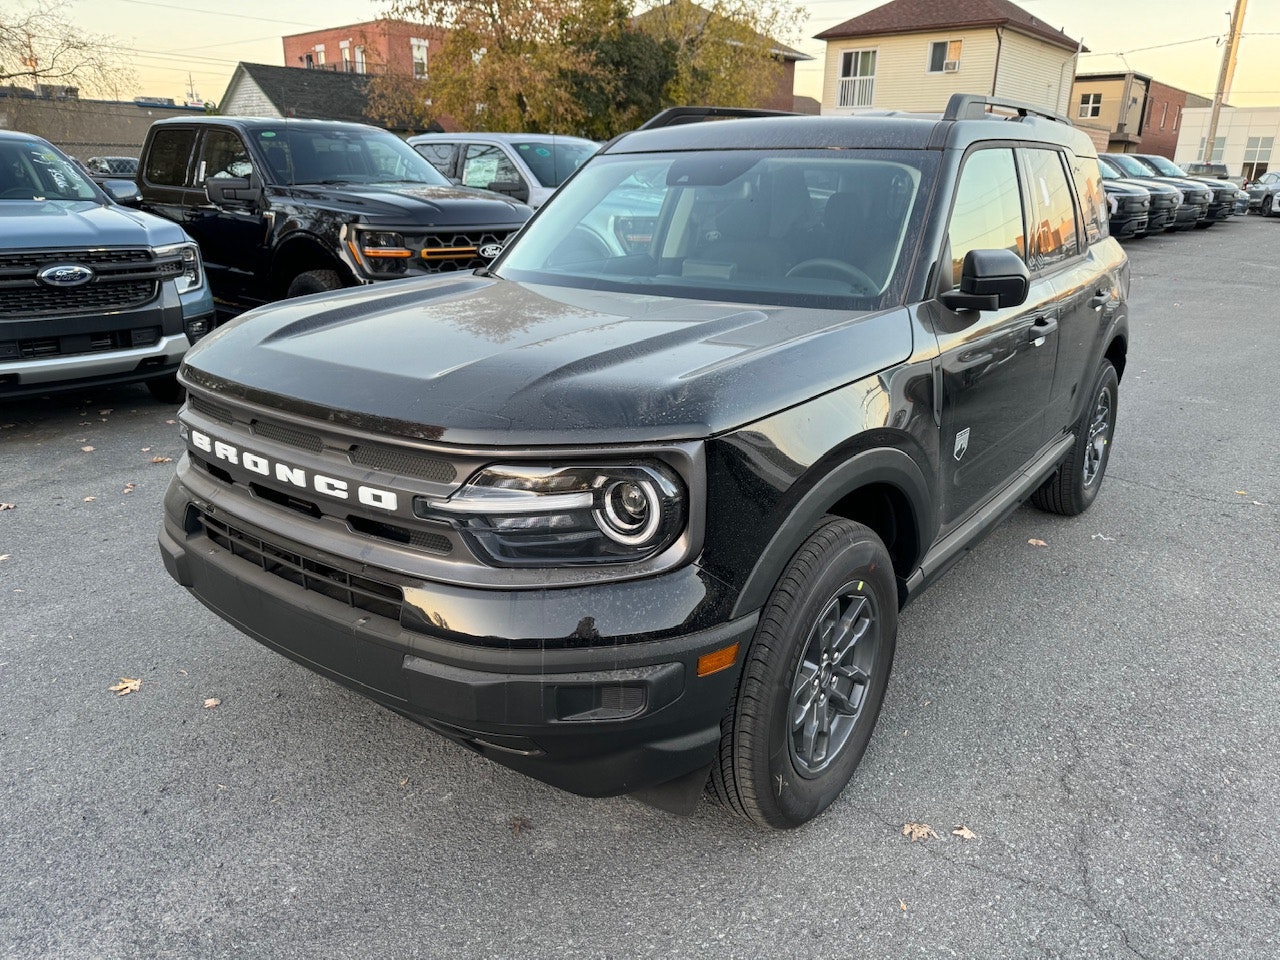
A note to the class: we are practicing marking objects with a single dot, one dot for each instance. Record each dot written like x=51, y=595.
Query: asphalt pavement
x=1099, y=712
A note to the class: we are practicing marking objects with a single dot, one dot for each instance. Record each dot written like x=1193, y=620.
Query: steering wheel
x=824, y=268
x=580, y=246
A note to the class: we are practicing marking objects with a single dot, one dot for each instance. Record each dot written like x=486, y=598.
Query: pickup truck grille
x=123, y=279
x=449, y=252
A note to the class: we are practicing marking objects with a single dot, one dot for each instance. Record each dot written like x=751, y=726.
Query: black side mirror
x=226, y=191
x=124, y=192
x=989, y=280
x=511, y=188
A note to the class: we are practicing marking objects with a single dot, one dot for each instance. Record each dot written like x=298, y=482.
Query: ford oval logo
x=65, y=275
x=490, y=250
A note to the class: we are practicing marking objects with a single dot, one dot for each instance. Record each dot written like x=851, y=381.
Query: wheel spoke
x=849, y=703
x=852, y=672
x=809, y=739
x=804, y=692
x=852, y=629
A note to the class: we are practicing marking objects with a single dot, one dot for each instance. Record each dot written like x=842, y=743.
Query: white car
x=526, y=166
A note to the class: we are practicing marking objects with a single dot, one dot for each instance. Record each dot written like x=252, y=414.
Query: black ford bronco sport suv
x=634, y=509
x=282, y=208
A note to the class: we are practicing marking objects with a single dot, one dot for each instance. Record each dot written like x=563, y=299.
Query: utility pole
x=1224, y=77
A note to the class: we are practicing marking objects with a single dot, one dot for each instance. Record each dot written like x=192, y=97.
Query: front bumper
x=594, y=715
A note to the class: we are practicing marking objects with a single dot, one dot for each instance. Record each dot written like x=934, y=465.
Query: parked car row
x=1149, y=194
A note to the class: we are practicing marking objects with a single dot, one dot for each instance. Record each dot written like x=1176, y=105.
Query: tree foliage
x=592, y=67
x=41, y=44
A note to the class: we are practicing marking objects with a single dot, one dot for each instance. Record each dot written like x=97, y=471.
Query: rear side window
x=988, y=210
x=169, y=156
x=1093, y=199
x=1054, y=234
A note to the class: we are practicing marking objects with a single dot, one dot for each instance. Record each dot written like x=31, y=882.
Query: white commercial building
x=1245, y=139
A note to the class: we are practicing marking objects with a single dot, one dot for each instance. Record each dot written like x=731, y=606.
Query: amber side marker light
x=717, y=660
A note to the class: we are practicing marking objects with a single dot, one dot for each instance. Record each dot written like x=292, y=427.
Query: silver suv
x=527, y=166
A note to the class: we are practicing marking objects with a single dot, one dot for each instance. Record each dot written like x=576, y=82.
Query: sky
x=1175, y=41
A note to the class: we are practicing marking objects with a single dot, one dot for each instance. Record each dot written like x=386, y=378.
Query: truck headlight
x=380, y=253
x=192, y=276
x=530, y=515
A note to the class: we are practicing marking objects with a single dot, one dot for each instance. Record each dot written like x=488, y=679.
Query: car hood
x=1185, y=184
x=482, y=361
x=1151, y=186
x=1124, y=189
x=81, y=223
x=405, y=204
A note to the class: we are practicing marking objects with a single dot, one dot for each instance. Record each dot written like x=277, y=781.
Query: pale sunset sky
x=1175, y=41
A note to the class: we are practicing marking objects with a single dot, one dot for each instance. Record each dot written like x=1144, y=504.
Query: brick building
x=376, y=46
x=1141, y=114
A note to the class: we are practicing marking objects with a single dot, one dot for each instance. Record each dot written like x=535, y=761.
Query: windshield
x=807, y=228
x=1165, y=167
x=1131, y=166
x=552, y=162
x=322, y=155
x=1108, y=171
x=33, y=170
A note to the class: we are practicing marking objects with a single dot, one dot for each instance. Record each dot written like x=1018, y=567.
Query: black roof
x=302, y=93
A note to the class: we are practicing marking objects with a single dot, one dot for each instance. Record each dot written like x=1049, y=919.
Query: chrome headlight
x=192, y=276
x=1182, y=198
x=530, y=515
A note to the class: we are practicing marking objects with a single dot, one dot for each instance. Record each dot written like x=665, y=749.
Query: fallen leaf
x=964, y=833
x=5, y=556
x=1242, y=493
x=103, y=413
x=171, y=422
x=162, y=459
x=125, y=687
x=903, y=906
x=519, y=824
x=128, y=488
x=7, y=506
x=404, y=782
x=211, y=702
x=1037, y=543
x=918, y=831
x=146, y=449
x=89, y=499
x=87, y=449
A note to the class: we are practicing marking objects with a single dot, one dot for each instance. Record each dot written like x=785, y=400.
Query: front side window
x=944, y=56
x=485, y=165
x=439, y=155
x=224, y=156
x=170, y=153
x=813, y=228
x=1054, y=233
x=987, y=214
x=1090, y=104
x=857, y=78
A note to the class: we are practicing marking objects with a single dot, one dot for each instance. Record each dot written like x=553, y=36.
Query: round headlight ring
x=630, y=511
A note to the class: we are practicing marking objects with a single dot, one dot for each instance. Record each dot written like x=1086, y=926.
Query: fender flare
x=883, y=465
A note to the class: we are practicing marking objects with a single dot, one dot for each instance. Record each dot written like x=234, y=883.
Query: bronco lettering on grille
x=294, y=476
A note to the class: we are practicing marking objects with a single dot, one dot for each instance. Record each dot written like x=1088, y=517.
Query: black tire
x=315, y=281
x=772, y=768
x=167, y=389
x=1075, y=484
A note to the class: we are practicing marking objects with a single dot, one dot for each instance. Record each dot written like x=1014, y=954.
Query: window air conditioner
x=950, y=66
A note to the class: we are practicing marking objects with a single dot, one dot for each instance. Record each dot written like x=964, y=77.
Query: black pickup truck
x=282, y=208
x=634, y=509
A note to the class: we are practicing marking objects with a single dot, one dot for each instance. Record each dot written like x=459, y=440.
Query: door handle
x=1041, y=327
x=1100, y=299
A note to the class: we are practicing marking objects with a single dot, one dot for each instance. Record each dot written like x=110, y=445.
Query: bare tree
x=41, y=44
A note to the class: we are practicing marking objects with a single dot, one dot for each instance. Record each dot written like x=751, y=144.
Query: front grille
x=360, y=592
x=290, y=436
x=449, y=252
x=403, y=463
x=96, y=296
x=214, y=411
x=35, y=348
x=34, y=259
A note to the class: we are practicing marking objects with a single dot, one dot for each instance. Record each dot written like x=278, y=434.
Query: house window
x=419, y=48
x=1257, y=155
x=320, y=54
x=944, y=56
x=857, y=78
x=1177, y=115
x=1219, y=144
x=1090, y=104
x=359, y=59
x=345, y=47
x=1164, y=114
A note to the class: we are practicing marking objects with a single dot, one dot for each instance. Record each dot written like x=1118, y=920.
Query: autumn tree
x=629, y=84
x=41, y=44
x=725, y=50
x=511, y=64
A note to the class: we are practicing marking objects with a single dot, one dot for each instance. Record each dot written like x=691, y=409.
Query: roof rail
x=674, y=116
x=970, y=106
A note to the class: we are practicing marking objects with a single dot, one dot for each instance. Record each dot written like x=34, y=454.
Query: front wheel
x=1074, y=485
x=813, y=680
x=314, y=281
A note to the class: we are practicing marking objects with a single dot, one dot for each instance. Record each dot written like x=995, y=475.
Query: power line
x=219, y=13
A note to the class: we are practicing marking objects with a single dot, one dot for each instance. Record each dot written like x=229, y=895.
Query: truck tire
x=1074, y=485
x=167, y=389
x=315, y=281
x=812, y=682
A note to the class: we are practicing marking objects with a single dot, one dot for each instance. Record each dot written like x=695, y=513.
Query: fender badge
x=962, y=443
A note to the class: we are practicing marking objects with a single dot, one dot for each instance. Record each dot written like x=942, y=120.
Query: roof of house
x=298, y=92
x=662, y=10
x=918, y=16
